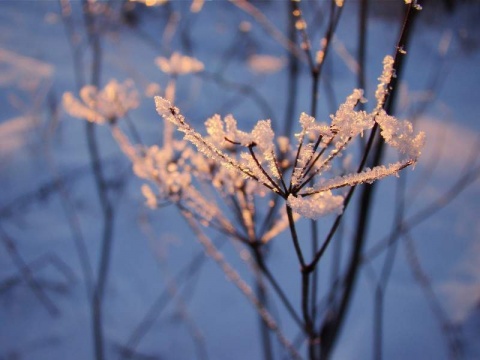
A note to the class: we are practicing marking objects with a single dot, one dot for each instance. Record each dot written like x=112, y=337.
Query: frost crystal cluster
x=242, y=166
x=297, y=175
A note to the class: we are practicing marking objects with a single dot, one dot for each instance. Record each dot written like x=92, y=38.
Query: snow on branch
x=366, y=176
x=247, y=165
x=316, y=206
x=400, y=135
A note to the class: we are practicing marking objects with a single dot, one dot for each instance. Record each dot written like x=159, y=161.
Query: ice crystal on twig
x=385, y=78
x=400, y=135
x=348, y=123
x=171, y=168
x=316, y=206
x=249, y=163
x=366, y=176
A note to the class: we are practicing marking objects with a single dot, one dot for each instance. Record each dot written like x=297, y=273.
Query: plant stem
x=264, y=330
x=333, y=327
x=102, y=191
x=283, y=297
x=293, y=232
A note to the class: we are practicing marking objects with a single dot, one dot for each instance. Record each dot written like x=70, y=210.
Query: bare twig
x=233, y=275
x=27, y=273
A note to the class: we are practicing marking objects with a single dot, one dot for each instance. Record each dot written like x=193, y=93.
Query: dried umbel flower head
x=309, y=191
x=23, y=72
x=265, y=64
x=102, y=106
x=179, y=64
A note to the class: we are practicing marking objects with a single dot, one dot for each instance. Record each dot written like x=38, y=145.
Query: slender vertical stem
x=378, y=324
x=27, y=274
x=333, y=328
x=69, y=210
x=234, y=276
x=293, y=232
x=293, y=68
x=306, y=272
x=276, y=286
x=313, y=303
x=95, y=293
x=264, y=330
x=309, y=330
x=362, y=46
x=387, y=267
x=313, y=223
x=102, y=190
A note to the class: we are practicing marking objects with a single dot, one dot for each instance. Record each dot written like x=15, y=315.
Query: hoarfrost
x=316, y=206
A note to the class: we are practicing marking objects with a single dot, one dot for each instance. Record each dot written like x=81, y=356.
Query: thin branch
x=27, y=274
x=268, y=26
x=276, y=286
x=260, y=167
x=425, y=213
x=449, y=330
x=233, y=275
x=295, y=240
x=332, y=328
x=381, y=286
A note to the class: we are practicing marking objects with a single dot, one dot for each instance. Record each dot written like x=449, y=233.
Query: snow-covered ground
x=49, y=203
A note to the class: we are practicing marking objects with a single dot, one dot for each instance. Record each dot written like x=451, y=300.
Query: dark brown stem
x=293, y=69
x=264, y=330
x=260, y=167
x=333, y=327
x=27, y=274
x=381, y=287
x=275, y=284
x=102, y=191
x=293, y=232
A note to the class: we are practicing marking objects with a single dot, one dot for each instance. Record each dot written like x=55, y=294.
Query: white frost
x=316, y=206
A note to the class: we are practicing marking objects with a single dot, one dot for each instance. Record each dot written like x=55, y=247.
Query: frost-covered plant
x=232, y=180
x=106, y=105
x=243, y=166
x=179, y=64
x=180, y=175
x=308, y=191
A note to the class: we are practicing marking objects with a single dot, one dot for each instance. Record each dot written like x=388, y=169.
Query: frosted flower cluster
x=25, y=72
x=179, y=64
x=217, y=177
x=180, y=175
x=256, y=157
x=265, y=64
x=102, y=106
